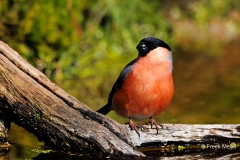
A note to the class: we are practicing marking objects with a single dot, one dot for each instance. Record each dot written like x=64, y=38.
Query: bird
x=145, y=86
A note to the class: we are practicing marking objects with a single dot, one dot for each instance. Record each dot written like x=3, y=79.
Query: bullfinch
x=145, y=86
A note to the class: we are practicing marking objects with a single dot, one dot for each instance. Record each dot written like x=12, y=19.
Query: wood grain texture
x=196, y=133
x=54, y=116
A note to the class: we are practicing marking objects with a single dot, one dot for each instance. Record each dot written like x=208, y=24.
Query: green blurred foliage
x=68, y=38
x=205, y=25
x=83, y=45
x=88, y=41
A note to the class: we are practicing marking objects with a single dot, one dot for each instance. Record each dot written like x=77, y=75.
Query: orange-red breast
x=145, y=86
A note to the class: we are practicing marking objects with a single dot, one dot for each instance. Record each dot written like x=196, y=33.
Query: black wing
x=117, y=85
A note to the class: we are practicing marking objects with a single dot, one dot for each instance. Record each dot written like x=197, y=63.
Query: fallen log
x=32, y=101
x=196, y=133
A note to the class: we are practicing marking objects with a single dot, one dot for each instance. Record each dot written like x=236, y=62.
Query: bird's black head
x=150, y=43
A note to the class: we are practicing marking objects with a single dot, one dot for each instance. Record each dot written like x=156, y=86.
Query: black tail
x=105, y=109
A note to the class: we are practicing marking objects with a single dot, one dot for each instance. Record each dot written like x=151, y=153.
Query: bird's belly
x=143, y=98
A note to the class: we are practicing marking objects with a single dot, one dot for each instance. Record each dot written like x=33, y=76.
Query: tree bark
x=32, y=101
x=55, y=117
x=189, y=134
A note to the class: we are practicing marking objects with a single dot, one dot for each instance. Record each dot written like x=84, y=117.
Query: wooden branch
x=32, y=101
x=175, y=133
x=54, y=116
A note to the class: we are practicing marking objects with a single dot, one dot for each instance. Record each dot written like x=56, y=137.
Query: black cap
x=150, y=43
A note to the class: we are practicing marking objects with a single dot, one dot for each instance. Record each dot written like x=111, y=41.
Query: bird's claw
x=153, y=122
x=135, y=127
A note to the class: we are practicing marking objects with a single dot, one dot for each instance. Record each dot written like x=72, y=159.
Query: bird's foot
x=135, y=126
x=153, y=122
